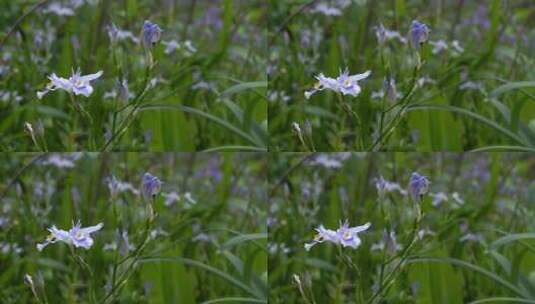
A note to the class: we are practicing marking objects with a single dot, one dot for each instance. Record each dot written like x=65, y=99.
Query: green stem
x=403, y=103
x=403, y=256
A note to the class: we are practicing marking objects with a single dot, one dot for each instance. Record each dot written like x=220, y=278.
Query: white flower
x=172, y=46
x=345, y=235
x=58, y=9
x=383, y=34
x=77, y=84
x=323, y=235
x=77, y=236
x=345, y=84
x=438, y=198
x=348, y=236
x=439, y=46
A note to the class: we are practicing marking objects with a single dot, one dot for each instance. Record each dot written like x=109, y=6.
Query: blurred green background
x=211, y=97
x=207, y=242
x=479, y=98
x=476, y=243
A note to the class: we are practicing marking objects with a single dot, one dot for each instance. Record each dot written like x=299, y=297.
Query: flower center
x=347, y=235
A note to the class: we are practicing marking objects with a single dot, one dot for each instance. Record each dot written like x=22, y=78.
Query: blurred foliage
x=476, y=243
x=210, y=98
x=480, y=97
x=197, y=251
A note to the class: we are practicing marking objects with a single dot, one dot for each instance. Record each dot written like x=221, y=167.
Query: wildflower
x=380, y=184
x=380, y=32
x=344, y=235
x=59, y=161
x=58, y=9
x=326, y=10
x=121, y=91
x=383, y=186
x=79, y=85
x=116, y=186
x=333, y=8
x=151, y=186
x=389, y=87
x=116, y=34
x=322, y=236
x=438, y=198
x=330, y=160
x=173, y=45
x=348, y=236
x=383, y=35
x=345, y=84
x=77, y=236
x=389, y=242
x=124, y=92
x=171, y=198
x=418, y=185
x=419, y=34
x=121, y=243
x=438, y=46
x=150, y=34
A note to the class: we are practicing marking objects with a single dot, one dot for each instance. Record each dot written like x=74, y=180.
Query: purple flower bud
x=151, y=34
x=151, y=185
x=380, y=32
x=419, y=34
x=419, y=185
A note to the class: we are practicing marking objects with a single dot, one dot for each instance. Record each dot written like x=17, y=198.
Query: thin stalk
x=404, y=103
x=403, y=256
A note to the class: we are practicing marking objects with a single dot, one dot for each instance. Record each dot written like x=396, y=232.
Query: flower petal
x=358, y=77
x=92, y=229
x=91, y=77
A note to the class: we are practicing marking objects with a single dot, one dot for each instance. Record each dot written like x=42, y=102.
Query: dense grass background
x=197, y=253
x=498, y=260
x=212, y=99
x=498, y=38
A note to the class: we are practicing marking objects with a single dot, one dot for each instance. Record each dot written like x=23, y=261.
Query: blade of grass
x=463, y=264
x=208, y=116
x=205, y=267
x=234, y=300
x=482, y=119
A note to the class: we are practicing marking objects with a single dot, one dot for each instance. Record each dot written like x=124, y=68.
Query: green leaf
x=511, y=238
x=511, y=86
x=236, y=148
x=244, y=86
x=502, y=300
x=208, y=116
x=227, y=277
x=244, y=238
x=482, y=119
x=234, y=300
x=491, y=275
x=503, y=148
